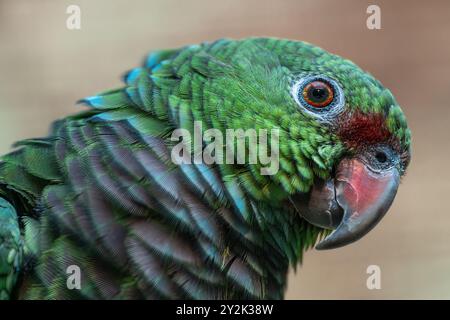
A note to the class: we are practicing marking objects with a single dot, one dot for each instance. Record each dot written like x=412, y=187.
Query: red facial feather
x=357, y=129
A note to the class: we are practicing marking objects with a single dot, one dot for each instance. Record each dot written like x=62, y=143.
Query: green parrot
x=99, y=209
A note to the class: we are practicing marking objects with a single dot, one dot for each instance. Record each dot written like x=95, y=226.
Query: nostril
x=381, y=157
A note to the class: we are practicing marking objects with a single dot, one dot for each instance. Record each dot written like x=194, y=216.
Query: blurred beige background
x=45, y=68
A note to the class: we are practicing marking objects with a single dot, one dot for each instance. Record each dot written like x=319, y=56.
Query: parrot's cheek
x=364, y=196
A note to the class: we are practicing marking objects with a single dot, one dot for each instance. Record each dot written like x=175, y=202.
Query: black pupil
x=318, y=94
x=381, y=157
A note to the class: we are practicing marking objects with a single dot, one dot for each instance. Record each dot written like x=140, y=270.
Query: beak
x=364, y=196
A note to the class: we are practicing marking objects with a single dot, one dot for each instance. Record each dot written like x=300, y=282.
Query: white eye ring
x=326, y=113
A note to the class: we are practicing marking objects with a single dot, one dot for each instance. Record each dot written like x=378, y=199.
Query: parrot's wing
x=112, y=206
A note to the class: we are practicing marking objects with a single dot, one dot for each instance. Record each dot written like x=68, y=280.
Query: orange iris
x=318, y=94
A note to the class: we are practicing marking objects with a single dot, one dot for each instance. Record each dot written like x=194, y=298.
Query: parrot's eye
x=319, y=95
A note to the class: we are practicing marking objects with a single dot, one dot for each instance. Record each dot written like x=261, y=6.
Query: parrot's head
x=344, y=143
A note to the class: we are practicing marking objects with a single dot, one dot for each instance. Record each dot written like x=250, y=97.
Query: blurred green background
x=45, y=68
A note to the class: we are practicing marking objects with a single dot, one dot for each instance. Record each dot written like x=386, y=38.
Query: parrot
x=98, y=209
